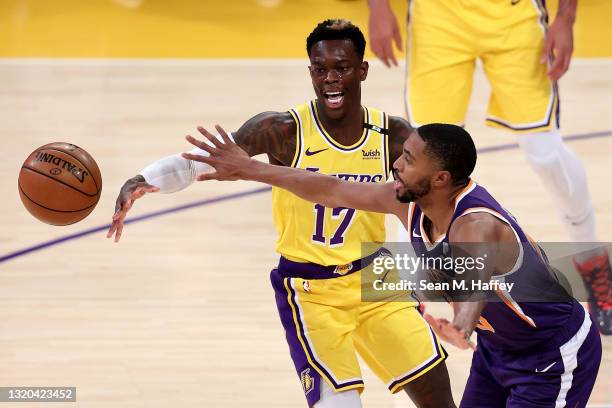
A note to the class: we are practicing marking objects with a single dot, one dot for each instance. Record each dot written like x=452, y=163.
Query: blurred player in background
x=523, y=58
x=537, y=346
x=318, y=280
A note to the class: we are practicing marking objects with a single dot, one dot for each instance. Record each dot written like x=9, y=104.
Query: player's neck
x=346, y=130
x=439, y=208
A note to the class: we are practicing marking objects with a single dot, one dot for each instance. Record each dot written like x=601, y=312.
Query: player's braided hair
x=453, y=147
x=337, y=29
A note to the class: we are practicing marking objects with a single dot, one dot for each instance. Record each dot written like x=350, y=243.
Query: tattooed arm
x=273, y=133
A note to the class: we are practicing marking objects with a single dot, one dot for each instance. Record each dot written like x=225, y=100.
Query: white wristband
x=174, y=173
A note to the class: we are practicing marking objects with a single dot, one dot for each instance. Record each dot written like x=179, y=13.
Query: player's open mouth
x=398, y=183
x=334, y=100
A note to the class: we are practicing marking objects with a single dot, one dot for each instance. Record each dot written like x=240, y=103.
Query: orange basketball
x=60, y=183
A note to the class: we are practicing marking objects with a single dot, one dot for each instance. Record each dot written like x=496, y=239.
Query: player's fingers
x=547, y=50
x=212, y=138
x=397, y=36
x=202, y=159
x=119, y=215
x=391, y=55
x=198, y=143
x=432, y=321
x=208, y=176
x=555, y=70
x=111, y=230
x=224, y=135
x=119, y=231
x=136, y=194
x=379, y=51
x=127, y=206
x=385, y=60
x=149, y=188
x=564, y=66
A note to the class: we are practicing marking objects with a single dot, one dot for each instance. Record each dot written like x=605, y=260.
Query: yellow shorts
x=327, y=324
x=445, y=39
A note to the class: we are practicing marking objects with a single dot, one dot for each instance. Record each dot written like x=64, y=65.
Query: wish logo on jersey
x=371, y=154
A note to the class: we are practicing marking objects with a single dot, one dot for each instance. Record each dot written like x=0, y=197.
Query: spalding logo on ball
x=60, y=183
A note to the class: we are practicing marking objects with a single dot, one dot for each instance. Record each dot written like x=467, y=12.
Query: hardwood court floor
x=180, y=312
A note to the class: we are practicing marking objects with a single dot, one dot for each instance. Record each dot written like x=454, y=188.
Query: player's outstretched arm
x=233, y=163
x=474, y=236
x=273, y=133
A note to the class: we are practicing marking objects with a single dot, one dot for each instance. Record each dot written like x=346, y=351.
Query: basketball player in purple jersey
x=529, y=354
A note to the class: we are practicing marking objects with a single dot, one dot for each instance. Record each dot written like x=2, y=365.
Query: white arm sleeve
x=174, y=173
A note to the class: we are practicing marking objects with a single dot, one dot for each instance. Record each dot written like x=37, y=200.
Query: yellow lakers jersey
x=309, y=232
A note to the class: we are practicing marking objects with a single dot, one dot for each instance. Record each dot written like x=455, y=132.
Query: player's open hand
x=384, y=30
x=450, y=333
x=131, y=191
x=226, y=157
x=558, y=47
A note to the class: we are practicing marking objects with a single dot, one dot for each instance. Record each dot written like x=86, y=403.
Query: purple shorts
x=561, y=377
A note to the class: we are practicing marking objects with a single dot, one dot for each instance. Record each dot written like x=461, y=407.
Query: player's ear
x=363, y=70
x=441, y=179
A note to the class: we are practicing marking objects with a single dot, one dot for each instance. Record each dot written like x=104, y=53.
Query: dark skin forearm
x=466, y=315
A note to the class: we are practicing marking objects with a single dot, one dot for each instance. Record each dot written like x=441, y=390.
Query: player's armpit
x=272, y=133
x=399, y=130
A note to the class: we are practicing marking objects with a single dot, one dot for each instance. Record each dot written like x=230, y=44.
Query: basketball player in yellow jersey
x=317, y=282
x=523, y=57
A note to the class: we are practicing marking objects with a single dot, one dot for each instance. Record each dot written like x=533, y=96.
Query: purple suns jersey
x=508, y=321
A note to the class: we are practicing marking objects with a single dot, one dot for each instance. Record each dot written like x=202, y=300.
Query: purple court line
x=21, y=252
x=143, y=217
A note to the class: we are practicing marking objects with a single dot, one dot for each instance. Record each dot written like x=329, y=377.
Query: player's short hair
x=337, y=29
x=453, y=147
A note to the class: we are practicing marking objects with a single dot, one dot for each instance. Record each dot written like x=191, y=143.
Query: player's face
x=413, y=171
x=337, y=71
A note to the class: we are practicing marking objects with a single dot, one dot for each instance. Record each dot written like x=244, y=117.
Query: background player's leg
x=331, y=399
x=564, y=177
x=523, y=99
x=440, y=67
x=440, y=63
x=432, y=389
